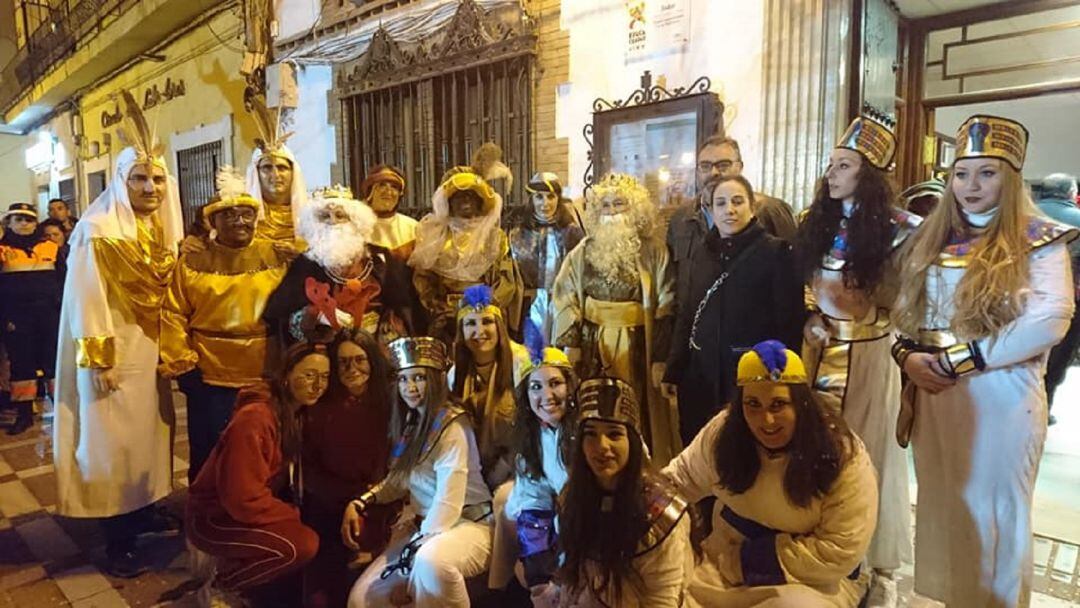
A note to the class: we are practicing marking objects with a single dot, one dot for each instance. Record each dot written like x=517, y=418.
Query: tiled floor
x=48, y=561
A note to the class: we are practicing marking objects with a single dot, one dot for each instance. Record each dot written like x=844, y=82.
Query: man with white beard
x=342, y=279
x=613, y=303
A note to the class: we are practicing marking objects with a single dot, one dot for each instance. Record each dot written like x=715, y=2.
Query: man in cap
x=396, y=232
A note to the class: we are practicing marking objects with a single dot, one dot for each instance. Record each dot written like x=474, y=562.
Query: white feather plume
x=229, y=182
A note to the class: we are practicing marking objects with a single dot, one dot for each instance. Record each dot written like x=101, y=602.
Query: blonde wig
x=994, y=287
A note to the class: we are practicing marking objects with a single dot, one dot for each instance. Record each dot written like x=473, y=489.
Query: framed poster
x=656, y=142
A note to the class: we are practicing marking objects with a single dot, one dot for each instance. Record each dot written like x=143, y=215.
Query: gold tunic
x=212, y=316
x=139, y=274
x=276, y=223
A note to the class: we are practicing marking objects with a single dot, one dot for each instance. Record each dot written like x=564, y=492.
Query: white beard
x=614, y=247
x=334, y=246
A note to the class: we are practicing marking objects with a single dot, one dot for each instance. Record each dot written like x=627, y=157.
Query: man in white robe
x=113, y=426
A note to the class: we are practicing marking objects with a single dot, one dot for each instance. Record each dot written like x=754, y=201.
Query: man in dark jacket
x=719, y=156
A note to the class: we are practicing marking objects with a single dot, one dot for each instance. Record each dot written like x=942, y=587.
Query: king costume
x=113, y=450
x=213, y=337
x=276, y=222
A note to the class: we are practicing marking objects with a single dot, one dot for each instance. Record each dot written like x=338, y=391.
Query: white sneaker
x=883, y=593
x=210, y=596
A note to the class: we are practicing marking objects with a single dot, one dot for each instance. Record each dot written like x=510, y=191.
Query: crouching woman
x=796, y=495
x=435, y=462
x=239, y=508
x=626, y=529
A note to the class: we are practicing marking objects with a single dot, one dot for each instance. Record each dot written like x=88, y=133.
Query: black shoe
x=1051, y=421
x=23, y=420
x=125, y=563
x=160, y=522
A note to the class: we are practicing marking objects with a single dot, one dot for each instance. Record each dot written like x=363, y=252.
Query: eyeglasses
x=357, y=362
x=386, y=186
x=310, y=378
x=26, y=219
x=720, y=165
x=245, y=214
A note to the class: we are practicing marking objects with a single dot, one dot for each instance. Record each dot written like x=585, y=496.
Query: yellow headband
x=243, y=200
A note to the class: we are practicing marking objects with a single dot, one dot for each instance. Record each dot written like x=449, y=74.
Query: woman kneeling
x=239, y=508
x=796, y=493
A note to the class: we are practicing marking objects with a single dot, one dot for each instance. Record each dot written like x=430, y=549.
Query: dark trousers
x=121, y=530
x=30, y=334
x=698, y=403
x=209, y=409
x=1061, y=356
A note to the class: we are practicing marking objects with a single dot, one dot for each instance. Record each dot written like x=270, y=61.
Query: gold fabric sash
x=854, y=330
x=614, y=314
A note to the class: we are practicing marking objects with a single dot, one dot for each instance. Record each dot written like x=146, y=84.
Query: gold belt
x=852, y=330
x=937, y=338
x=614, y=314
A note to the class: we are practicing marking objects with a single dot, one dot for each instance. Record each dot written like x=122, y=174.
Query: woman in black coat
x=744, y=289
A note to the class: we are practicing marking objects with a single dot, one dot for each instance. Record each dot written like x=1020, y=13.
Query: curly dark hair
x=819, y=449
x=607, y=539
x=527, y=427
x=869, y=230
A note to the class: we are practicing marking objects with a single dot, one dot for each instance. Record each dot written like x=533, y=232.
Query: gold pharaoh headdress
x=608, y=399
x=135, y=132
x=418, y=352
x=871, y=138
x=994, y=137
x=268, y=122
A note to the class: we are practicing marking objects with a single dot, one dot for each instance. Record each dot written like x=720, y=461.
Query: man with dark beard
x=342, y=279
x=613, y=303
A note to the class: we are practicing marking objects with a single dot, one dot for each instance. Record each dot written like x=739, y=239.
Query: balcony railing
x=71, y=24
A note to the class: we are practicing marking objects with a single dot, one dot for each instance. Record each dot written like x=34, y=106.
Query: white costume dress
x=978, y=443
x=113, y=451
x=856, y=368
x=764, y=550
x=452, y=503
x=397, y=234
x=664, y=562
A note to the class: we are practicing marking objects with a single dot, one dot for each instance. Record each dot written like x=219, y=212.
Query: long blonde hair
x=992, y=292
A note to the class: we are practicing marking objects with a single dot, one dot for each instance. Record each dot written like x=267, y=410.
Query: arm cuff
x=760, y=564
x=963, y=358
x=901, y=349
x=95, y=353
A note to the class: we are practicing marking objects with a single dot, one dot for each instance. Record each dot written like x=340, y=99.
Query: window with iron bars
x=428, y=125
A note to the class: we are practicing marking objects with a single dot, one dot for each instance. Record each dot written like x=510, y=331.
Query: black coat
x=761, y=299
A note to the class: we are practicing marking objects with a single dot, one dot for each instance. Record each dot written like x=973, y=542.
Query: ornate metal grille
x=427, y=107
x=197, y=167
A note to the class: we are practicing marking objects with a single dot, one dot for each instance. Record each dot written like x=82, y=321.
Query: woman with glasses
x=30, y=288
x=346, y=449
x=241, y=507
x=436, y=464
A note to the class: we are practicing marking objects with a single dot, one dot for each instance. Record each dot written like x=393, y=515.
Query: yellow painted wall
x=14, y=175
x=208, y=61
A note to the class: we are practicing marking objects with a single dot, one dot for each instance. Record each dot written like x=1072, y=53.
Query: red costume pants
x=249, y=556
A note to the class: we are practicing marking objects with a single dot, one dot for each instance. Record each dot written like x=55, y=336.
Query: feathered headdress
x=487, y=162
x=135, y=132
x=540, y=354
x=231, y=192
x=268, y=122
x=477, y=298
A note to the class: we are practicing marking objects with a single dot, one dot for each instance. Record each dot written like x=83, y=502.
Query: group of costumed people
x=385, y=412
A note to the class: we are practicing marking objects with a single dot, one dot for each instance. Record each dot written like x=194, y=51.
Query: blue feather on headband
x=477, y=296
x=534, y=342
x=773, y=355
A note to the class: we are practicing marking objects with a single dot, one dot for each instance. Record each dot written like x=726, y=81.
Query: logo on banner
x=656, y=27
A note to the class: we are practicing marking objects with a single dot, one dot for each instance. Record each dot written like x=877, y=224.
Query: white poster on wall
x=655, y=28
